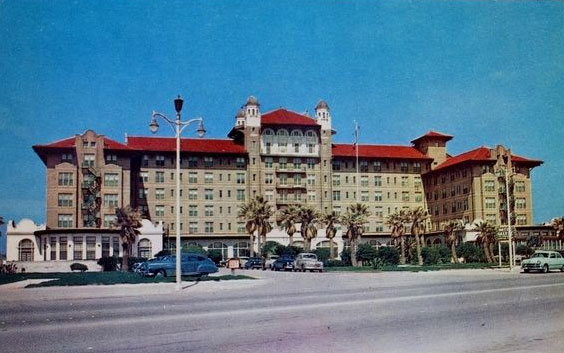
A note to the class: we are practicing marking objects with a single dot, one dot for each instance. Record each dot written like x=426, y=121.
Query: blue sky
x=487, y=72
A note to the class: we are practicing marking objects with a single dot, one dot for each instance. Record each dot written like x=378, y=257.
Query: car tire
x=545, y=268
x=160, y=273
x=526, y=270
x=562, y=268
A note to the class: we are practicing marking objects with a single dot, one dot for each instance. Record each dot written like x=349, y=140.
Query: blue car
x=191, y=265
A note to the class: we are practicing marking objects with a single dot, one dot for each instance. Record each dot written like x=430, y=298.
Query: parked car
x=191, y=265
x=268, y=263
x=544, y=261
x=284, y=262
x=307, y=261
x=253, y=263
x=242, y=261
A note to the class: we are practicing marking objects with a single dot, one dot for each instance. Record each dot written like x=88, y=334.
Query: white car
x=270, y=261
x=543, y=261
x=307, y=261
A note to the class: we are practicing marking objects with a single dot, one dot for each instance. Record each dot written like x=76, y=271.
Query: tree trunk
x=307, y=244
x=125, y=258
x=487, y=253
x=491, y=245
x=402, y=249
x=331, y=249
x=418, y=247
x=453, y=251
x=291, y=239
x=422, y=239
x=259, y=240
x=353, y=253
x=252, y=245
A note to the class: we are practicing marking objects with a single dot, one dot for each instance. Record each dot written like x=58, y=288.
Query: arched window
x=241, y=249
x=144, y=248
x=25, y=250
x=268, y=132
x=298, y=244
x=311, y=135
x=217, y=245
x=325, y=244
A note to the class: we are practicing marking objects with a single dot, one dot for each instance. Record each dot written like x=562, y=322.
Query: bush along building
x=285, y=156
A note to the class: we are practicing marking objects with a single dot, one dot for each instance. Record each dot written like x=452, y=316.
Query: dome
x=322, y=105
x=252, y=101
x=240, y=113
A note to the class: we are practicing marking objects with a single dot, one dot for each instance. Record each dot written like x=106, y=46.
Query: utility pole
x=356, y=132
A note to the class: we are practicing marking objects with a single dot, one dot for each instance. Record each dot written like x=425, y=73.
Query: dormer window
x=66, y=157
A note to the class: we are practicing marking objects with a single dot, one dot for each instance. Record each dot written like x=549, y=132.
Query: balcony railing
x=282, y=185
x=290, y=169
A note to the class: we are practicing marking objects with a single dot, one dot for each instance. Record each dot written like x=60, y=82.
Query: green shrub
x=322, y=254
x=108, y=263
x=334, y=263
x=534, y=241
x=388, y=255
x=346, y=257
x=215, y=255
x=270, y=247
x=470, y=252
x=78, y=267
x=433, y=255
x=365, y=253
x=288, y=250
x=524, y=250
x=378, y=264
x=194, y=250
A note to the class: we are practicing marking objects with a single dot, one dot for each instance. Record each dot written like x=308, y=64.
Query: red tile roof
x=482, y=154
x=378, y=151
x=168, y=144
x=70, y=143
x=285, y=117
x=433, y=134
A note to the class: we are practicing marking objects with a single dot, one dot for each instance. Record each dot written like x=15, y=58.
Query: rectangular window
x=159, y=194
x=193, y=227
x=193, y=210
x=143, y=193
x=192, y=194
x=336, y=180
x=417, y=167
x=269, y=195
x=311, y=195
x=89, y=160
x=240, y=227
x=268, y=162
x=65, y=221
x=109, y=220
x=379, y=211
x=336, y=165
x=377, y=180
x=297, y=163
x=65, y=179
x=491, y=218
x=240, y=195
x=268, y=178
x=159, y=210
x=404, y=181
x=337, y=210
x=111, y=200
x=282, y=163
x=111, y=158
x=336, y=195
x=520, y=203
x=159, y=177
x=143, y=177
x=521, y=219
x=192, y=161
x=160, y=161
x=208, y=178
x=405, y=196
x=240, y=178
x=65, y=200
x=208, y=227
x=208, y=210
x=192, y=177
x=115, y=246
x=417, y=181
x=364, y=196
x=363, y=166
x=418, y=197
x=403, y=166
x=66, y=157
x=90, y=248
x=364, y=180
x=240, y=162
x=105, y=246
x=77, y=249
x=310, y=163
x=378, y=196
x=519, y=186
x=379, y=227
x=111, y=179
x=208, y=194
x=145, y=160
x=63, y=247
x=208, y=162
x=311, y=179
x=489, y=185
x=53, y=247
x=377, y=166
x=490, y=202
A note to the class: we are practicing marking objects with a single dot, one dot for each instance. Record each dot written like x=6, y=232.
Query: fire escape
x=502, y=192
x=91, y=197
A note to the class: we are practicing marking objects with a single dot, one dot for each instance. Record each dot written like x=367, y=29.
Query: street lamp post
x=178, y=126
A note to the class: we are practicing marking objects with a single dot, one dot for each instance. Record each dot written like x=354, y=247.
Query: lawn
x=101, y=278
x=412, y=268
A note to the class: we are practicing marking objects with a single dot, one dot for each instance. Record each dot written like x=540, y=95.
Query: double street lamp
x=178, y=126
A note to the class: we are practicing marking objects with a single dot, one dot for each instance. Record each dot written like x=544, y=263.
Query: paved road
x=447, y=311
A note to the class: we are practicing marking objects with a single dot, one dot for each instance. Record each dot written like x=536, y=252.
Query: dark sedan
x=191, y=265
x=284, y=262
x=253, y=263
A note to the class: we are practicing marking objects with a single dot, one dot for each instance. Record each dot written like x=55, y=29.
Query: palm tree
x=128, y=220
x=450, y=229
x=287, y=220
x=396, y=222
x=256, y=213
x=486, y=234
x=309, y=218
x=354, y=219
x=417, y=218
x=331, y=219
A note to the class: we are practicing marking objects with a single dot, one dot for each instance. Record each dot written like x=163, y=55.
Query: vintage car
x=191, y=265
x=544, y=261
x=270, y=261
x=307, y=261
x=284, y=262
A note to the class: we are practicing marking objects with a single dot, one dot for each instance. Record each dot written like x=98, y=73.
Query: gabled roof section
x=282, y=116
x=168, y=144
x=483, y=154
x=70, y=143
x=378, y=151
x=433, y=134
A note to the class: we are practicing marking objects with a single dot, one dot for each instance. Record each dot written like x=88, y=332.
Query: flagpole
x=357, y=167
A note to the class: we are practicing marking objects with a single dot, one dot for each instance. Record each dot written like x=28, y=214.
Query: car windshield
x=540, y=254
x=310, y=256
